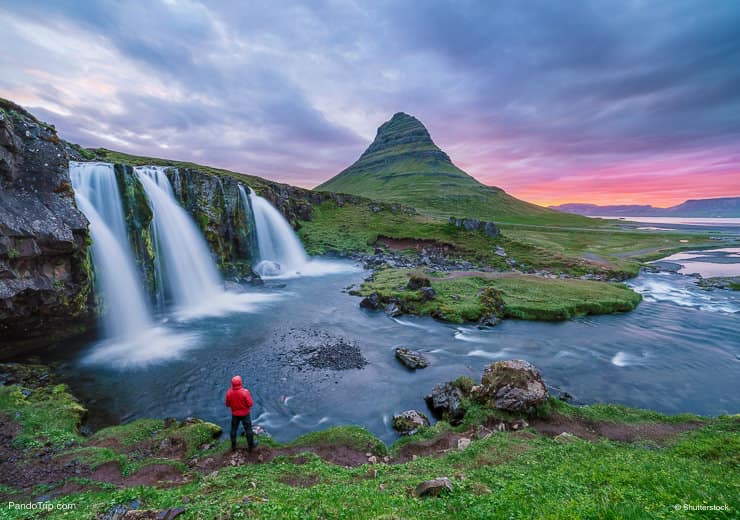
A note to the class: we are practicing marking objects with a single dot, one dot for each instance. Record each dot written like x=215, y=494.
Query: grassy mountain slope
x=404, y=165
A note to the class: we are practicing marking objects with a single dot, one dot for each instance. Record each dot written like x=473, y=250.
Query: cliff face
x=45, y=275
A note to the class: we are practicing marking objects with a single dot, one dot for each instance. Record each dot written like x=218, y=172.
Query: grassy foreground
x=525, y=297
x=518, y=474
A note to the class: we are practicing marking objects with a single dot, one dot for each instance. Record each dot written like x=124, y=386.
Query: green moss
x=468, y=298
x=352, y=436
x=130, y=433
x=46, y=415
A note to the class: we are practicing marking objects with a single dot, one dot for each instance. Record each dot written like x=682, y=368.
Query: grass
x=351, y=436
x=504, y=476
x=508, y=475
x=525, y=297
x=47, y=416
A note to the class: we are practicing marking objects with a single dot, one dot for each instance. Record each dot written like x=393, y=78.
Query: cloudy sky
x=579, y=101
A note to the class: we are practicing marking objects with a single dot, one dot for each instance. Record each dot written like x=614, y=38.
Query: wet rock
x=514, y=386
x=393, y=310
x=409, y=422
x=433, y=488
x=371, y=302
x=565, y=397
x=45, y=284
x=446, y=402
x=411, y=358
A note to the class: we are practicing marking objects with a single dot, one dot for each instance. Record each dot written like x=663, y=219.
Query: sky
x=609, y=102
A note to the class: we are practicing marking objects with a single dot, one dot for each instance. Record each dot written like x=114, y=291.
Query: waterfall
x=184, y=263
x=280, y=251
x=117, y=280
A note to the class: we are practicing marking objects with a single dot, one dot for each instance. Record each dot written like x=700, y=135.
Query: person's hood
x=236, y=382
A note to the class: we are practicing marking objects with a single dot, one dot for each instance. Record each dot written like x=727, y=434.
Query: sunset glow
x=566, y=103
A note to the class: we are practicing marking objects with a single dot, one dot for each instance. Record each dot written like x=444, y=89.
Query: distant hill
x=404, y=165
x=722, y=207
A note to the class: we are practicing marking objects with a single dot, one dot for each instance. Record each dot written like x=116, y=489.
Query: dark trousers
x=246, y=421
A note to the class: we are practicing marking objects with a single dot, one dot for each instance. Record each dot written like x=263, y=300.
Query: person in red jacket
x=240, y=401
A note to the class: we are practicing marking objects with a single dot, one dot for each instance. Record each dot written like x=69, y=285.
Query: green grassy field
x=520, y=474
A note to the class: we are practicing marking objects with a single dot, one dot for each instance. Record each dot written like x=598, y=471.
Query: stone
x=371, y=302
x=565, y=397
x=427, y=293
x=433, y=488
x=417, y=281
x=499, y=251
x=463, y=443
x=393, y=310
x=565, y=438
x=409, y=422
x=514, y=386
x=372, y=459
x=446, y=401
x=411, y=358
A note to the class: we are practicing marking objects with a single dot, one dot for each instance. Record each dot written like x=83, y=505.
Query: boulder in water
x=446, y=401
x=371, y=302
x=409, y=422
x=515, y=386
x=393, y=309
x=268, y=268
x=411, y=358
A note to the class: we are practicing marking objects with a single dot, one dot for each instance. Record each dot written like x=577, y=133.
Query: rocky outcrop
x=470, y=224
x=409, y=422
x=215, y=204
x=45, y=274
x=514, y=386
x=445, y=401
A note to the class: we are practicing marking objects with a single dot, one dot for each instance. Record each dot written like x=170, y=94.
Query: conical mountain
x=404, y=165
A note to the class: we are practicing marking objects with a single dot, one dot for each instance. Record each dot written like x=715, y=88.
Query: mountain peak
x=403, y=134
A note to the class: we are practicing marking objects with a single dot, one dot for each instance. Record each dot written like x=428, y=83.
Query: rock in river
x=446, y=401
x=411, y=358
x=371, y=302
x=515, y=386
x=409, y=422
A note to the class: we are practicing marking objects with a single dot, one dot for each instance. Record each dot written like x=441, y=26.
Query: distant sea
x=686, y=221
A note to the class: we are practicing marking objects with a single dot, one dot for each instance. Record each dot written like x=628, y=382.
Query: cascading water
x=184, y=265
x=96, y=193
x=280, y=251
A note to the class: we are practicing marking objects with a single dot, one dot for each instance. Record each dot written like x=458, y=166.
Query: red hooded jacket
x=238, y=398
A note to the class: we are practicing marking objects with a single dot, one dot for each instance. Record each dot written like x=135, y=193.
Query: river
x=678, y=352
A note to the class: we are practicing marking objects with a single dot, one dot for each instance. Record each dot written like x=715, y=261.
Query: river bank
x=150, y=466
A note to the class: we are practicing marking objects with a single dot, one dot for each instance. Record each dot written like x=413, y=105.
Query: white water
x=184, y=263
x=96, y=193
x=280, y=251
x=130, y=332
x=281, y=254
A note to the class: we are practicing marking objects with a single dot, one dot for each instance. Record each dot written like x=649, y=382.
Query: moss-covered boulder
x=514, y=386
